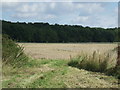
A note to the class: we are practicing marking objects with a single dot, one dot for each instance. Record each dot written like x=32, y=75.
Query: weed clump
x=95, y=62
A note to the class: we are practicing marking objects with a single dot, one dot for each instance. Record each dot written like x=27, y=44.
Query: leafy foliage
x=43, y=32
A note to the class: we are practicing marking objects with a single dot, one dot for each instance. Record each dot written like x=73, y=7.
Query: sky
x=93, y=14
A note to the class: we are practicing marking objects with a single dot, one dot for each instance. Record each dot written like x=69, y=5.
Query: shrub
x=12, y=53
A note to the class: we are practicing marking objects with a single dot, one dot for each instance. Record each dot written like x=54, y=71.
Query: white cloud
x=11, y=0
x=9, y=4
x=50, y=16
x=96, y=20
x=27, y=8
x=94, y=8
x=24, y=8
x=108, y=21
x=46, y=17
x=80, y=19
x=24, y=15
x=79, y=13
x=53, y=5
x=116, y=10
x=60, y=0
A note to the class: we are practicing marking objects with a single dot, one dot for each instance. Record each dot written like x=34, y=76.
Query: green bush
x=95, y=62
x=12, y=53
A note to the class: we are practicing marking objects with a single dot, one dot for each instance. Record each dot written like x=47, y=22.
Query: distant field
x=64, y=51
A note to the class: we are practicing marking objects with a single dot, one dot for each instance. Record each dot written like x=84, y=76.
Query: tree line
x=44, y=32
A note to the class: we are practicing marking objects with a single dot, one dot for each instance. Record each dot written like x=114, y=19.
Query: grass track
x=54, y=74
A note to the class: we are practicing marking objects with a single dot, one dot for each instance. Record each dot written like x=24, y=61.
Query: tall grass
x=116, y=70
x=12, y=53
x=96, y=62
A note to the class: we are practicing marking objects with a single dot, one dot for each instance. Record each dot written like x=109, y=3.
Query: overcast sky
x=91, y=14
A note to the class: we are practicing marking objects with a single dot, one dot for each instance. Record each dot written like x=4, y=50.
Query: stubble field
x=65, y=51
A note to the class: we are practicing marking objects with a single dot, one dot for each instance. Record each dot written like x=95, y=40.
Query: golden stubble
x=66, y=50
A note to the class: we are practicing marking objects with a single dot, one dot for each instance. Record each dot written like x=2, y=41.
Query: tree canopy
x=44, y=32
